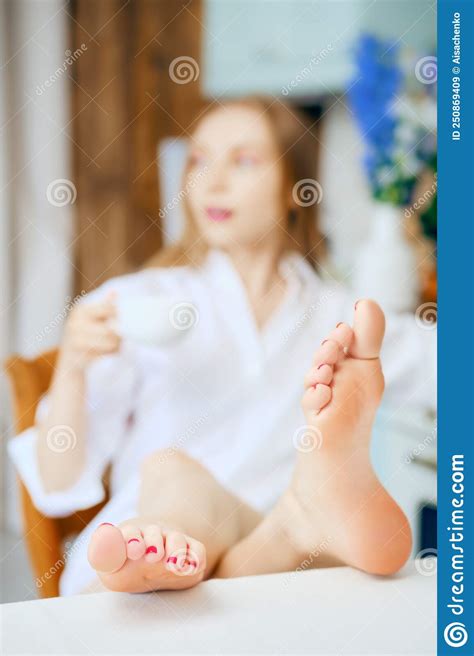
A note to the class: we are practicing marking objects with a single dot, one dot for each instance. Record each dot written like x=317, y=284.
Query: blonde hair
x=297, y=150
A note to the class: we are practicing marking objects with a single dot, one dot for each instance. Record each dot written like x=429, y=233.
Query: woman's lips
x=218, y=213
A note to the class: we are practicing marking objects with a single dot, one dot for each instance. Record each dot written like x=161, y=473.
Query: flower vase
x=386, y=265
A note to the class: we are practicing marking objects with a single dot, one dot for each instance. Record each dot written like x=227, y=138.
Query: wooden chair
x=44, y=536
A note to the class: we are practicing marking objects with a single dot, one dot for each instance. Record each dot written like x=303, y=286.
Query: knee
x=165, y=460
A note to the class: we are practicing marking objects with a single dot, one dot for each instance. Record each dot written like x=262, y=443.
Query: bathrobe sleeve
x=111, y=382
x=409, y=353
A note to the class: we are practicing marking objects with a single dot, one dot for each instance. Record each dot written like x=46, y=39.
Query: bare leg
x=335, y=511
x=182, y=493
x=186, y=522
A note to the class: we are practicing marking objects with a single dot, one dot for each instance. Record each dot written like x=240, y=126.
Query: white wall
x=5, y=278
x=42, y=154
x=36, y=275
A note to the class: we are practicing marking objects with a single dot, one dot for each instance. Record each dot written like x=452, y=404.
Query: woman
x=217, y=470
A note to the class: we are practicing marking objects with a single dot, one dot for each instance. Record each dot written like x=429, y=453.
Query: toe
x=369, y=328
x=321, y=374
x=343, y=334
x=175, y=551
x=154, y=543
x=107, y=550
x=134, y=541
x=315, y=398
x=195, y=555
x=329, y=352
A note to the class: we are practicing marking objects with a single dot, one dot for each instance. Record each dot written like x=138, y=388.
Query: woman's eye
x=197, y=160
x=245, y=160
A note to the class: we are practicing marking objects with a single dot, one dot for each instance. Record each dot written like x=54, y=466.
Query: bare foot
x=139, y=556
x=335, y=511
x=334, y=485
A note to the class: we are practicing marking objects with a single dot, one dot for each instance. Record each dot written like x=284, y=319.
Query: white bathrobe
x=226, y=393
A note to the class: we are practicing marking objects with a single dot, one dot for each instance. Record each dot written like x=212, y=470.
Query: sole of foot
x=143, y=557
x=334, y=485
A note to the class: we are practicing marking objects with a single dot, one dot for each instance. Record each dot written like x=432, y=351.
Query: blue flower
x=371, y=92
x=396, y=148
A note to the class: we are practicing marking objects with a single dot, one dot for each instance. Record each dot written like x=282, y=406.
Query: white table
x=329, y=611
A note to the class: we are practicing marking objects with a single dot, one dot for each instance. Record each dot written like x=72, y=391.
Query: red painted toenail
x=172, y=559
x=133, y=540
x=193, y=563
x=151, y=550
x=106, y=524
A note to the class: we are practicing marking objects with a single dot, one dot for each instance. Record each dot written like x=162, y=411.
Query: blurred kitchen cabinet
x=300, y=47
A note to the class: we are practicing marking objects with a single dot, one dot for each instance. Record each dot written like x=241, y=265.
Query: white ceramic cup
x=154, y=319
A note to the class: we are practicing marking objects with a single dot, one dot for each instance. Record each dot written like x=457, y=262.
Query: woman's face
x=235, y=179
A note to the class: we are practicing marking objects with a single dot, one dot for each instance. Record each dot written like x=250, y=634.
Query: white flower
x=386, y=175
x=405, y=134
x=410, y=165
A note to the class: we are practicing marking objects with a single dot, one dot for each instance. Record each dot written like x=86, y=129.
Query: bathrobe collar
x=258, y=345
